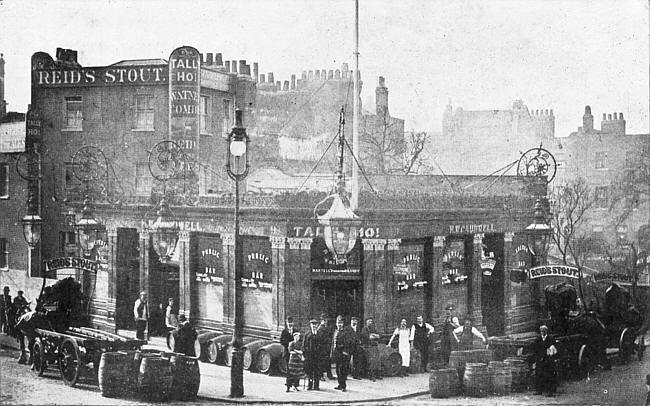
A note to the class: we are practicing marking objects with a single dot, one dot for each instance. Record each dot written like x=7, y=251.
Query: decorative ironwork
x=175, y=172
x=89, y=164
x=537, y=162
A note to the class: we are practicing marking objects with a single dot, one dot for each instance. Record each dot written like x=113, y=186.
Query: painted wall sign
x=453, y=262
x=317, y=231
x=71, y=262
x=257, y=264
x=410, y=258
x=553, y=270
x=210, y=263
x=33, y=127
x=12, y=137
x=613, y=276
x=101, y=76
x=471, y=228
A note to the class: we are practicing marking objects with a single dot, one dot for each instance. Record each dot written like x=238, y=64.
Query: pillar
x=391, y=257
x=508, y=296
x=111, y=234
x=476, y=309
x=278, y=246
x=374, y=280
x=144, y=260
x=228, y=258
x=298, y=281
x=184, y=280
x=438, y=307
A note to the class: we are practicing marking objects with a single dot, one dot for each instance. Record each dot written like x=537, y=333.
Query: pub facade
x=422, y=244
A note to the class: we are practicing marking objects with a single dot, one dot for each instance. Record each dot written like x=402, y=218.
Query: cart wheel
x=70, y=361
x=38, y=358
x=626, y=344
x=584, y=362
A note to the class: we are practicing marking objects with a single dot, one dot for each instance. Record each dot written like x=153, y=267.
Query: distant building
x=479, y=142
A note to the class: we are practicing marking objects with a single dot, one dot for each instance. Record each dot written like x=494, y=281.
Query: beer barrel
x=391, y=360
x=519, y=374
x=186, y=377
x=251, y=351
x=373, y=357
x=155, y=378
x=268, y=358
x=201, y=344
x=134, y=368
x=113, y=373
x=482, y=356
x=457, y=360
x=500, y=377
x=476, y=380
x=444, y=383
x=245, y=340
x=216, y=347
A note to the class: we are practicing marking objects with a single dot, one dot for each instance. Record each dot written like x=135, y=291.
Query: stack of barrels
x=152, y=375
x=520, y=375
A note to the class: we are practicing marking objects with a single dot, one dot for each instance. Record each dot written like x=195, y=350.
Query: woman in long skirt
x=296, y=368
x=403, y=334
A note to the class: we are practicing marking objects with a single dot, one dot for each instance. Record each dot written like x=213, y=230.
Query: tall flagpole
x=354, y=201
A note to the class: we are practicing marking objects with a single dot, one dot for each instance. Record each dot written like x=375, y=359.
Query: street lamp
x=237, y=165
x=32, y=224
x=164, y=232
x=88, y=228
x=29, y=167
x=340, y=223
x=538, y=233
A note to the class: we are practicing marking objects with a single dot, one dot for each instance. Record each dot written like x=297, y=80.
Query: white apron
x=404, y=346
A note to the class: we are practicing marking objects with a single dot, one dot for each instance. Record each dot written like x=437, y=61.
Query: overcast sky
x=480, y=54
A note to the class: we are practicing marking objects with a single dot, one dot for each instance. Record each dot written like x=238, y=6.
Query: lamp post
x=29, y=167
x=237, y=166
x=340, y=223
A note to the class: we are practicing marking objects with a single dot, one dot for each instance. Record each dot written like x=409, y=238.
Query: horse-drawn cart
x=76, y=348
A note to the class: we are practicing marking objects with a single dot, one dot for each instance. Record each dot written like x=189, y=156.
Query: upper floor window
x=4, y=181
x=601, y=195
x=597, y=231
x=143, y=112
x=4, y=254
x=204, y=115
x=601, y=160
x=73, y=113
x=227, y=117
x=143, y=179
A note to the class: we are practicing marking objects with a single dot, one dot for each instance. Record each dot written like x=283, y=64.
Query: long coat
x=312, y=349
x=345, y=342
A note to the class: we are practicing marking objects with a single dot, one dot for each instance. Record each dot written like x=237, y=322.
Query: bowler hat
x=339, y=318
x=6, y=288
x=354, y=319
x=449, y=307
x=313, y=321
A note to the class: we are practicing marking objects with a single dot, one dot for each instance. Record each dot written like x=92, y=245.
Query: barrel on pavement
x=186, y=377
x=250, y=353
x=269, y=358
x=216, y=349
x=155, y=378
x=476, y=380
x=201, y=343
x=444, y=383
x=229, y=349
x=113, y=373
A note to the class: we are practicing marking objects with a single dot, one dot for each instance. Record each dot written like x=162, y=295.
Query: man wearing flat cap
x=357, y=355
x=450, y=324
x=312, y=348
x=342, y=348
x=325, y=334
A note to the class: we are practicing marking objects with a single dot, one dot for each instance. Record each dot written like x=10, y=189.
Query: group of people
x=10, y=310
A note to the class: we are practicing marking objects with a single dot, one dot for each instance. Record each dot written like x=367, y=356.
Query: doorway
x=337, y=297
x=492, y=290
x=128, y=277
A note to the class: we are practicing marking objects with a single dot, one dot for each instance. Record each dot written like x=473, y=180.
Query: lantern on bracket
x=538, y=234
x=164, y=232
x=89, y=229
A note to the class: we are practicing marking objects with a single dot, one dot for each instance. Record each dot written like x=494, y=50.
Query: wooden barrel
x=476, y=380
x=251, y=351
x=228, y=359
x=216, y=348
x=201, y=344
x=155, y=378
x=186, y=377
x=268, y=358
x=519, y=374
x=391, y=360
x=444, y=383
x=113, y=373
x=480, y=356
x=457, y=360
x=373, y=357
x=500, y=378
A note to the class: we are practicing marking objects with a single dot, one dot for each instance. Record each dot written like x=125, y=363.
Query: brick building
x=421, y=245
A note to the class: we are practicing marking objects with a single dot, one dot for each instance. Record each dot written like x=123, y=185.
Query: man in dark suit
x=545, y=353
x=343, y=344
x=286, y=337
x=312, y=347
x=325, y=334
x=358, y=359
x=370, y=338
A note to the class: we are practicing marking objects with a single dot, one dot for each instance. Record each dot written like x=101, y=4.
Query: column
x=184, y=281
x=391, y=257
x=438, y=308
x=298, y=281
x=278, y=246
x=475, y=304
x=228, y=258
x=374, y=282
x=144, y=260
x=111, y=233
x=508, y=294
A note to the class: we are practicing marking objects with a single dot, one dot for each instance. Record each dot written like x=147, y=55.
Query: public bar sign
x=210, y=263
x=83, y=264
x=258, y=264
x=553, y=270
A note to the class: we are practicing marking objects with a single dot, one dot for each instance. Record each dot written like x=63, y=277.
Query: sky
x=481, y=55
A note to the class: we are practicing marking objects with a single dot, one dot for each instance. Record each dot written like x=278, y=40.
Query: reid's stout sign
x=102, y=76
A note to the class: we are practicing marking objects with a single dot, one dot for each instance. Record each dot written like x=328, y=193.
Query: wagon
x=76, y=348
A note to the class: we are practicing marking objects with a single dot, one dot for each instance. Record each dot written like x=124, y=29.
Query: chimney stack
x=218, y=59
x=587, y=120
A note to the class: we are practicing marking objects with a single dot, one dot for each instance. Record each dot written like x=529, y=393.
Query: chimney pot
x=337, y=74
x=609, y=116
x=323, y=74
x=242, y=66
x=256, y=70
x=304, y=75
x=551, y=111
x=286, y=85
x=271, y=79
x=227, y=66
x=233, y=66
x=293, y=82
x=604, y=116
x=615, y=116
x=620, y=116
x=546, y=112
x=209, y=58
x=278, y=84
x=310, y=75
x=317, y=74
x=262, y=78
x=218, y=59
x=330, y=74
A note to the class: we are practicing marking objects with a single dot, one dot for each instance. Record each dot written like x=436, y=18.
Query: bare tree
x=382, y=142
x=413, y=155
x=630, y=190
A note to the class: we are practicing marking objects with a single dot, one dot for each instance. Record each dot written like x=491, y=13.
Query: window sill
x=207, y=134
x=142, y=130
x=71, y=130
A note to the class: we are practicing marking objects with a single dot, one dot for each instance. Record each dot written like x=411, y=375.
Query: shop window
x=143, y=112
x=600, y=161
x=227, y=114
x=4, y=181
x=143, y=179
x=204, y=115
x=73, y=113
x=4, y=254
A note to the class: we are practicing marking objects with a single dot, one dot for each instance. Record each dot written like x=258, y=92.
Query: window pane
x=204, y=115
x=143, y=179
x=4, y=180
x=4, y=254
x=74, y=114
x=144, y=112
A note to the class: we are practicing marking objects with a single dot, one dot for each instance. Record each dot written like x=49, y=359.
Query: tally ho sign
x=184, y=98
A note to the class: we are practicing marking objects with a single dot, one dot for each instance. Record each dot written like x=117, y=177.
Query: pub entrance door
x=337, y=297
x=492, y=291
x=127, y=282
